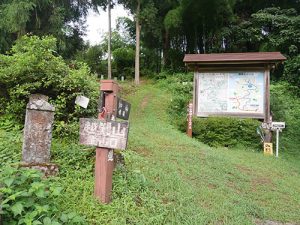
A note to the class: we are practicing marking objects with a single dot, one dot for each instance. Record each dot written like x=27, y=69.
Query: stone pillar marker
x=38, y=130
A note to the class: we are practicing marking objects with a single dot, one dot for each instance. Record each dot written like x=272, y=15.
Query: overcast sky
x=97, y=24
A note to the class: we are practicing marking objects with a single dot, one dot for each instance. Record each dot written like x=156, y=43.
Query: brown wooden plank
x=94, y=132
x=234, y=57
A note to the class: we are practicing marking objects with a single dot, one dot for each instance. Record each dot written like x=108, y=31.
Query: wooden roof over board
x=234, y=58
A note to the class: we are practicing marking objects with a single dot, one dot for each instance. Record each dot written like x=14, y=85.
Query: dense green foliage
x=34, y=67
x=63, y=19
x=285, y=106
x=227, y=132
x=169, y=29
x=292, y=72
x=29, y=199
x=26, y=197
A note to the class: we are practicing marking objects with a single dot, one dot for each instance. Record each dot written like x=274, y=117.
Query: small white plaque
x=82, y=101
x=278, y=125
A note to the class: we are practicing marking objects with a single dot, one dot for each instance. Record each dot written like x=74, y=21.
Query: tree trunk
x=109, y=41
x=137, y=47
x=166, y=49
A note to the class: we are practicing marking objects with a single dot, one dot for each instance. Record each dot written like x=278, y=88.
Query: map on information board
x=232, y=93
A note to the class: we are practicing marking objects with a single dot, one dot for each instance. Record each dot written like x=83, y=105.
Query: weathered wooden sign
x=98, y=133
x=123, y=109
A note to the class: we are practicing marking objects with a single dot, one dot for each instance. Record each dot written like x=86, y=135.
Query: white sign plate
x=82, y=101
x=278, y=125
x=94, y=132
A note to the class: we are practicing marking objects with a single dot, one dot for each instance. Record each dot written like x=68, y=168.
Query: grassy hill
x=169, y=178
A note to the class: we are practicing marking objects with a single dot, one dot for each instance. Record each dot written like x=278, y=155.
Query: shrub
x=181, y=87
x=124, y=60
x=32, y=66
x=292, y=71
x=29, y=199
x=285, y=107
x=226, y=131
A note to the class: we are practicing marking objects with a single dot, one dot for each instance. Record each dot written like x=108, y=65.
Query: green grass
x=203, y=185
x=169, y=178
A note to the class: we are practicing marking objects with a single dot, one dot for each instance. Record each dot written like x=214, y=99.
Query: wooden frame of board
x=235, y=62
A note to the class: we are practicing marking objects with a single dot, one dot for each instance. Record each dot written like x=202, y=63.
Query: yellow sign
x=268, y=148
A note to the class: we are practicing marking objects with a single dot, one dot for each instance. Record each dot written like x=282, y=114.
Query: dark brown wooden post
x=104, y=164
x=189, y=130
x=267, y=119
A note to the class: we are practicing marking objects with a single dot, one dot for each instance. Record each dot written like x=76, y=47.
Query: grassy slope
x=200, y=185
x=172, y=179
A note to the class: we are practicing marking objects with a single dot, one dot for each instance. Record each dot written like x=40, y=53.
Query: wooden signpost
x=106, y=134
x=189, y=130
x=233, y=84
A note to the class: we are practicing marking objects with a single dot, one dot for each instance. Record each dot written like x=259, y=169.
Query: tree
x=279, y=30
x=92, y=56
x=34, y=67
x=144, y=13
x=63, y=19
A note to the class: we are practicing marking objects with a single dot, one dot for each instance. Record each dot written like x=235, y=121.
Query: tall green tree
x=144, y=14
x=63, y=19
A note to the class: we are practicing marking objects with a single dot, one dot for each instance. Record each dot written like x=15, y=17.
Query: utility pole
x=109, y=40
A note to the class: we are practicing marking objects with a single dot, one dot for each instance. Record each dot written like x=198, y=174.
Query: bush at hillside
x=285, y=107
x=292, y=71
x=29, y=199
x=226, y=131
x=181, y=87
x=33, y=66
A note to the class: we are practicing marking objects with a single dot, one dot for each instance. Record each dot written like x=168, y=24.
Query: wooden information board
x=230, y=93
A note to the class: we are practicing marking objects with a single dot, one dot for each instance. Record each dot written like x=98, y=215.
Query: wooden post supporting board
x=104, y=164
x=267, y=119
x=106, y=134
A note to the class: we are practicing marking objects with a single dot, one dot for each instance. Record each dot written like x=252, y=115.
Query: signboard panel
x=94, y=132
x=230, y=93
x=277, y=125
x=268, y=148
x=123, y=109
x=82, y=101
